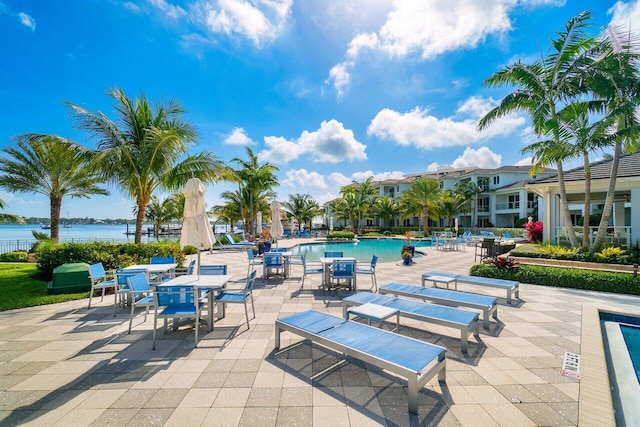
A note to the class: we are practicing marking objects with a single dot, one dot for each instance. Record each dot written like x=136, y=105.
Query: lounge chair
x=511, y=286
x=243, y=243
x=464, y=320
x=488, y=305
x=415, y=360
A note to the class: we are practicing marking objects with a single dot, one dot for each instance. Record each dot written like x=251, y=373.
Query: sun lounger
x=413, y=359
x=464, y=320
x=488, y=305
x=511, y=286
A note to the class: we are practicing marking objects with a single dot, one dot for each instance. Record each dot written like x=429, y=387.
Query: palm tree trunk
x=425, y=214
x=139, y=222
x=608, y=202
x=564, y=204
x=55, y=203
x=587, y=200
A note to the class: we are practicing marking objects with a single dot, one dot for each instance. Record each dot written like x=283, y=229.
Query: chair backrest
x=212, y=270
x=123, y=274
x=333, y=254
x=506, y=235
x=250, y=254
x=279, y=249
x=96, y=272
x=170, y=295
x=272, y=259
x=374, y=261
x=342, y=269
x=191, y=267
x=162, y=260
x=250, y=280
x=230, y=239
x=138, y=284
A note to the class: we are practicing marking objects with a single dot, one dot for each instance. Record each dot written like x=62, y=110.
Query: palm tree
x=453, y=204
x=296, y=207
x=386, y=208
x=615, y=79
x=145, y=149
x=6, y=217
x=542, y=87
x=422, y=198
x=160, y=211
x=51, y=166
x=229, y=212
x=469, y=191
x=254, y=177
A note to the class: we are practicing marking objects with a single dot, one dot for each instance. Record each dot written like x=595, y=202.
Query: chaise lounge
x=511, y=286
x=464, y=320
x=488, y=305
x=413, y=359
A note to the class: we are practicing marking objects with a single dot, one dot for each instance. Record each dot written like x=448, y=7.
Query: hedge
x=112, y=255
x=15, y=256
x=592, y=280
x=340, y=235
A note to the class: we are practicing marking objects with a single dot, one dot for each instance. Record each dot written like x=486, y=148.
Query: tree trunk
x=608, y=203
x=425, y=214
x=564, y=204
x=55, y=203
x=587, y=201
x=140, y=222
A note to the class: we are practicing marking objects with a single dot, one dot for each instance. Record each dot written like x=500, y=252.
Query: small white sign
x=571, y=365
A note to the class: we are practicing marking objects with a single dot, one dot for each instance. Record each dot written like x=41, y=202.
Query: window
x=514, y=201
x=496, y=180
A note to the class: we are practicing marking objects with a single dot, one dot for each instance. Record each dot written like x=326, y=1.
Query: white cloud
x=362, y=176
x=132, y=7
x=417, y=127
x=340, y=179
x=331, y=143
x=168, y=10
x=304, y=178
x=324, y=198
x=27, y=21
x=626, y=15
x=260, y=21
x=238, y=136
x=527, y=161
x=433, y=167
x=482, y=158
x=340, y=78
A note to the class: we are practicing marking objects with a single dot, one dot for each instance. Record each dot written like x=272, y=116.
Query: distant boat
x=66, y=225
x=45, y=226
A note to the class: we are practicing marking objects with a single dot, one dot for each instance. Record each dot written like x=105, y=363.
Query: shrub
x=555, y=250
x=340, y=235
x=190, y=250
x=608, y=255
x=15, y=256
x=111, y=255
x=533, y=231
x=593, y=280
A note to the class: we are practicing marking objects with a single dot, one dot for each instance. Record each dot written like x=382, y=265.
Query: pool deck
x=64, y=365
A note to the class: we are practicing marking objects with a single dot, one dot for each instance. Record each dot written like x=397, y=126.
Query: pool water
x=387, y=250
x=631, y=335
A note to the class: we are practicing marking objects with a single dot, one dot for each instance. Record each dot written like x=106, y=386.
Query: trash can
x=70, y=278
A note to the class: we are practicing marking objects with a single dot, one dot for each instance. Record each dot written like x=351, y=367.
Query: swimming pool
x=622, y=344
x=387, y=249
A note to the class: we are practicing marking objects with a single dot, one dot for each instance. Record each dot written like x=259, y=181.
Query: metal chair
x=99, y=280
x=176, y=302
x=309, y=268
x=485, y=249
x=253, y=261
x=343, y=271
x=140, y=295
x=212, y=270
x=371, y=269
x=333, y=254
x=162, y=260
x=239, y=296
x=122, y=290
x=273, y=261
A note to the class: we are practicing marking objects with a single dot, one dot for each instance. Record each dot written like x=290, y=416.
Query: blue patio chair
x=343, y=271
x=212, y=270
x=232, y=241
x=273, y=261
x=333, y=254
x=279, y=249
x=239, y=296
x=253, y=261
x=176, y=302
x=191, y=267
x=507, y=235
x=99, y=280
x=122, y=291
x=370, y=269
x=140, y=295
x=286, y=234
x=309, y=268
x=162, y=260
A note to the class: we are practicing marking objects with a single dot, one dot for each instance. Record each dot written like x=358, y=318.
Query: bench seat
x=511, y=286
x=464, y=320
x=487, y=304
x=415, y=360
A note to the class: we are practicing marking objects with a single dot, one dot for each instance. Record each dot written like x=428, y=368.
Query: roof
x=629, y=167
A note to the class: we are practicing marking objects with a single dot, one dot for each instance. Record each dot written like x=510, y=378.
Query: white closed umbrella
x=455, y=221
x=196, y=228
x=276, y=225
x=331, y=223
x=259, y=221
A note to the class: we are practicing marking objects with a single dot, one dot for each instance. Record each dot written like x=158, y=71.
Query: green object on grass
x=70, y=278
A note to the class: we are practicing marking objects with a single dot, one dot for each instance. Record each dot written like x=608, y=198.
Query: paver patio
x=66, y=365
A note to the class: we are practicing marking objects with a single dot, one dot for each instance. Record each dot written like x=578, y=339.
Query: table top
x=203, y=281
x=152, y=268
x=442, y=279
x=329, y=260
x=372, y=311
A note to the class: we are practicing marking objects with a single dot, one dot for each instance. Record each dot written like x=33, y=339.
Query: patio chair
x=231, y=241
x=286, y=234
x=507, y=235
x=343, y=271
x=239, y=296
x=176, y=302
x=122, y=291
x=162, y=260
x=99, y=280
x=140, y=295
x=334, y=254
x=371, y=269
x=279, y=249
x=485, y=249
x=212, y=270
x=192, y=266
x=273, y=261
x=253, y=261
x=309, y=268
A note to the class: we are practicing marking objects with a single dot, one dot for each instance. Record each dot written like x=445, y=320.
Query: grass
x=20, y=287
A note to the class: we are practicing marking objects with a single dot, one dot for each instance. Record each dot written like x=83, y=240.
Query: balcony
x=507, y=206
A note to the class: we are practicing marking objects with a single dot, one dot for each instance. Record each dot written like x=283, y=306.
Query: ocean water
x=109, y=232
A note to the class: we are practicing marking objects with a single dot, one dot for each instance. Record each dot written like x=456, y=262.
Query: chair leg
x=253, y=307
x=131, y=316
x=197, y=327
x=246, y=312
x=155, y=326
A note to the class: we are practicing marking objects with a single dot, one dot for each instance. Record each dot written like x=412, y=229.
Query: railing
x=27, y=244
x=16, y=245
x=616, y=236
x=483, y=209
x=507, y=205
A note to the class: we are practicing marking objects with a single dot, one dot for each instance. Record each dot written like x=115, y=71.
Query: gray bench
x=488, y=305
x=464, y=320
x=413, y=359
x=510, y=286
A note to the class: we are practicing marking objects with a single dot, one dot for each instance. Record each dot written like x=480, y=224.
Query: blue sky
x=328, y=90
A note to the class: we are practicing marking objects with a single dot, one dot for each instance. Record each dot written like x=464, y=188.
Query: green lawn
x=20, y=288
